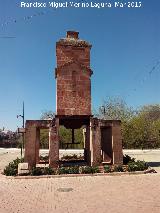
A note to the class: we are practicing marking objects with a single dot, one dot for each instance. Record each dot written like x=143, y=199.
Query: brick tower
x=102, y=138
x=73, y=77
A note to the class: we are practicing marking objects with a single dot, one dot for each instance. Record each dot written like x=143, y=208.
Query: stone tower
x=73, y=76
x=102, y=138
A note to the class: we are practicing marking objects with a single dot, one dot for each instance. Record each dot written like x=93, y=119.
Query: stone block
x=23, y=168
x=54, y=145
x=95, y=143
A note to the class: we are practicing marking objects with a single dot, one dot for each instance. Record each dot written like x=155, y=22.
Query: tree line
x=140, y=127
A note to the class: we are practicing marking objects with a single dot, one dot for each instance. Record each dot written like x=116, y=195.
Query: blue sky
x=124, y=58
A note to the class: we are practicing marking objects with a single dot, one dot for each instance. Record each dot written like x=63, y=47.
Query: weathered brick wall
x=32, y=140
x=73, y=91
x=66, y=54
x=95, y=142
x=54, y=144
x=114, y=137
x=116, y=134
x=117, y=143
x=73, y=77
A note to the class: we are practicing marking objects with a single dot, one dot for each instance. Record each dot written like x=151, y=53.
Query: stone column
x=54, y=144
x=86, y=136
x=117, y=143
x=30, y=146
x=95, y=143
x=37, y=144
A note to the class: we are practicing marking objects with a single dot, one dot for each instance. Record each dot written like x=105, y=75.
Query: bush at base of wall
x=12, y=169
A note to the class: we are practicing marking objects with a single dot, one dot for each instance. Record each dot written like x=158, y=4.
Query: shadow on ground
x=154, y=164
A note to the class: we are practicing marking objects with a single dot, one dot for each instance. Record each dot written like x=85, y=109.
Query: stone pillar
x=95, y=143
x=86, y=136
x=54, y=144
x=117, y=143
x=30, y=146
x=37, y=144
x=106, y=143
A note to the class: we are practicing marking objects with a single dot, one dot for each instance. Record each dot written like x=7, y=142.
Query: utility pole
x=23, y=127
x=103, y=110
x=22, y=116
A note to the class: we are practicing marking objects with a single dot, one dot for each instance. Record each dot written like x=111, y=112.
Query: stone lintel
x=38, y=123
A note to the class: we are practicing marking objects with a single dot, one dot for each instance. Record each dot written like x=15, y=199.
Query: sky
x=125, y=54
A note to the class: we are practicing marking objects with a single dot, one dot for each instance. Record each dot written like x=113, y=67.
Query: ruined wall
x=111, y=145
x=66, y=54
x=73, y=91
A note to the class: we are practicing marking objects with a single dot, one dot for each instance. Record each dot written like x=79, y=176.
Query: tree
x=136, y=132
x=47, y=115
x=116, y=109
x=65, y=135
x=151, y=112
x=140, y=127
x=143, y=130
x=44, y=138
x=44, y=133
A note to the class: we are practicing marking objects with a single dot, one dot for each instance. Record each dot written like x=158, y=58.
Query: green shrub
x=86, y=170
x=74, y=170
x=10, y=171
x=95, y=169
x=12, y=168
x=68, y=170
x=48, y=171
x=44, y=158
x=127, y=159
x=132, y=166
x=36, y=171
x=62, y=170
x=137, y=166
x=107, y=169
x=89, y=169
x=118, y=168
x=69, y=157
x=72, y=157
x=142, y=165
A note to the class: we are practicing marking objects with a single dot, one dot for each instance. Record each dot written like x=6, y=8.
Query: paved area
x=100, y=194
x=112, y=194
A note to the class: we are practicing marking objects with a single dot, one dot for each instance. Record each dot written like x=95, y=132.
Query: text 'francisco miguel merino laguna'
x=133, y=4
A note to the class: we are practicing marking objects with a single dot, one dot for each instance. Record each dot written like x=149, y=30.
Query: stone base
x=23, y=168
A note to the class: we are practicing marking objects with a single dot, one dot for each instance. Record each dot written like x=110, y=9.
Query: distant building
x=8, y=139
